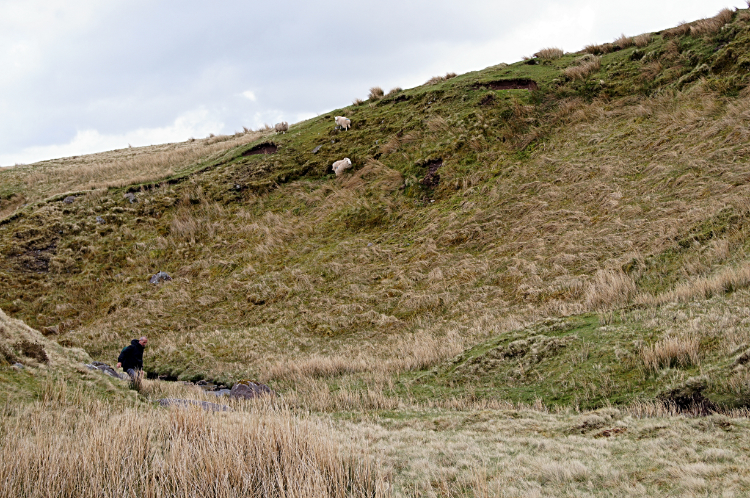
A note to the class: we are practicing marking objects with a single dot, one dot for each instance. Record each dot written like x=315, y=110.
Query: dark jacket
x=131, y=356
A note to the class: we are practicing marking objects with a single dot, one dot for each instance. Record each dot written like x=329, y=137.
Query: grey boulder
x=104, y=368
x=247, y=389
x=160, y=277
x=187, y=403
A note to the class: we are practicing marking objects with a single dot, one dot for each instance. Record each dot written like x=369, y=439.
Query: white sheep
x=281, y=127
x=342, y=122
x=340, y=166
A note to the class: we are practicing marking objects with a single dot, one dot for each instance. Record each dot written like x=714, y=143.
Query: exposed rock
x=69, y=200
x=50, y=330
x=187, y=403
x=160, y=277
x=18, y=366
x=220, y=392
x=317, y=149
x=247, y=389
x=104, y=368
x=131, y=197
x=100, y=220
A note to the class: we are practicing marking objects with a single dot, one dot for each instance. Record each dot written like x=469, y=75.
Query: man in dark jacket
x=131, y=358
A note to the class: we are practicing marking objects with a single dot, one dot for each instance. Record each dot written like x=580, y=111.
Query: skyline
x=85, y=77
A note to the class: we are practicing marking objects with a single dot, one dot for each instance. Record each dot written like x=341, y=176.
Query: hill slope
x=477, y=205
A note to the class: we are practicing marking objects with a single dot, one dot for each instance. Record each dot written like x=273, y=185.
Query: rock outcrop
x=247, y=389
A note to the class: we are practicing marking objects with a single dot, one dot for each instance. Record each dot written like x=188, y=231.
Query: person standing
x=131, y=357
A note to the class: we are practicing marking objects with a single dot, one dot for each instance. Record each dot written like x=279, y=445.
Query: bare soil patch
x=512, y=84
x=432, y=178
x=265, y=148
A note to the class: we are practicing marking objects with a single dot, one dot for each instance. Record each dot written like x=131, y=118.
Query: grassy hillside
x=534, y=281
x=478, y=207
x=27, y=184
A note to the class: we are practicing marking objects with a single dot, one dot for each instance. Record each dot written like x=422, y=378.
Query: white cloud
x=249, y=95
x=198, y=123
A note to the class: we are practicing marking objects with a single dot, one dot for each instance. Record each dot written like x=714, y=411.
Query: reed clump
x=102, y=450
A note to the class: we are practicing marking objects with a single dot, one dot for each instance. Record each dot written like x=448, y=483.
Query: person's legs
x=132, y=373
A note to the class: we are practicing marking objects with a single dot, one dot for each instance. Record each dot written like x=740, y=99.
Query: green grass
x=275, y=259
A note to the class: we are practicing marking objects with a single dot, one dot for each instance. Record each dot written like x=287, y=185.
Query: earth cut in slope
x=432, y=178
x=264, y=148
x=510, y=84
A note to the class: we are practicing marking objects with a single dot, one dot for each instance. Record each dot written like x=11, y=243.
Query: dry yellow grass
x=643, y=40
x=624, y=42
x=115, y=168
x=728, y=279
x=94, y=449
x=583, y=68
x=673, y=351
x=609, y=289
x=376, y=93
x=550, y=53
x=523, y=452
x=437, y=79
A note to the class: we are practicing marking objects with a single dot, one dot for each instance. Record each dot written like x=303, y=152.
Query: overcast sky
x=82, y=76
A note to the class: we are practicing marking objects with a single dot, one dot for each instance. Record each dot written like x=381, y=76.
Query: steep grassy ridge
x=612, y=180
x=28, y=184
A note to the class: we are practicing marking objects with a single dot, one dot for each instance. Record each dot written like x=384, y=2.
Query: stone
x=220, y=392
x=104, y=368
x=317, y=149
x=187, y=403
x=19, y=366
x=247, y=389
x=100, y=220
x=50, y=330
x=69, y=200
x=160, y=277
x=131, y=197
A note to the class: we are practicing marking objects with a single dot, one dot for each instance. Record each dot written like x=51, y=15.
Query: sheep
x=342, y=122
x=281, y=127
x=340, y=166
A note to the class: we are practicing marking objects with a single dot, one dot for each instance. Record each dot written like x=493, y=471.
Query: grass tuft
x=583, y=68
x=376, y=93
x=671, y=352
x=550, y=53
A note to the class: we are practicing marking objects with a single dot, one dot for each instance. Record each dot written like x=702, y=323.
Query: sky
x=84, y=76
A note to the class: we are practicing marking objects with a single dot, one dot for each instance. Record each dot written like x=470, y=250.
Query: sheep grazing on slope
x=342, y=122
x=340, y=166
x=281, y=127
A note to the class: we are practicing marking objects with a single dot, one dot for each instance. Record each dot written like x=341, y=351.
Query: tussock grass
x=602, y=49
x=643, y=40
x=726, y=280
x=609, y=289
x=624, y=42
x=702, y=27
x=550, y=53
x=376, y=93
x=583, y=68
x=438, y=79
x=100, y=450
x=671, y=352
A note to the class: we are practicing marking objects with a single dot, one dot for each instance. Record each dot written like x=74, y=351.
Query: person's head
x=143, y=341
